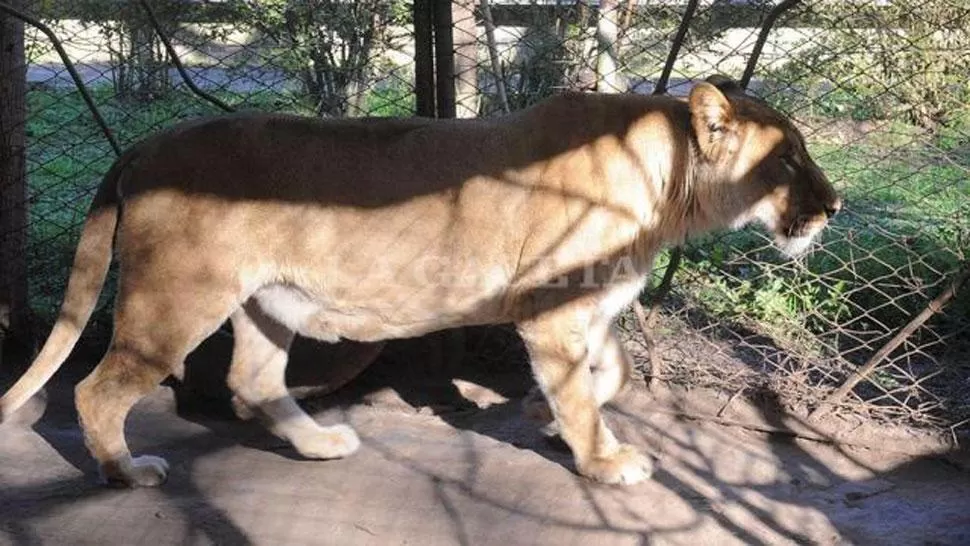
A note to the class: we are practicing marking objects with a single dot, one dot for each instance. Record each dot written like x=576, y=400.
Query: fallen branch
x=802, y=432
x=931, y=309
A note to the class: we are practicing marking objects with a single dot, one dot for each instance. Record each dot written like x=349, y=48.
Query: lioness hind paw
x=626, y=466
x=144, y=471
x=331, y=442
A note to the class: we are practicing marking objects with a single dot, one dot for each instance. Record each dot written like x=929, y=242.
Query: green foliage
x=733, y=277
x=881, y=60
x=390, y=101
x=330, y=46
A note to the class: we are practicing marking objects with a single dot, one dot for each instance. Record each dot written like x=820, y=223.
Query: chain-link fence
x=871, y=324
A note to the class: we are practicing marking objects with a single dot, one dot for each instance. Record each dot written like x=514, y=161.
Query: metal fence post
x=444, y=58
x=424, y=87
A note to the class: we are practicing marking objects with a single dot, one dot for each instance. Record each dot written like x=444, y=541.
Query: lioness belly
x=326, y=321
x=294, y=309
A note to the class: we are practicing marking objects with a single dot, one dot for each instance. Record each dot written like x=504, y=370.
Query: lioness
x=375, y=229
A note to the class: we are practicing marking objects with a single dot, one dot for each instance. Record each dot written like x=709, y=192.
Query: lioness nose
x=833, y=208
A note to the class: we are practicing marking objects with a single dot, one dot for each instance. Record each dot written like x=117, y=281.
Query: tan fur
x=374, y=229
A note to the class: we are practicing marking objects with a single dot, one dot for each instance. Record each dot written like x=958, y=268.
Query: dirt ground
x=453, y=462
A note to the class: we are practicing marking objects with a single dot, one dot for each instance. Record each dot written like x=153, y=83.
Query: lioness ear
x=725, y=84
x=712, y=116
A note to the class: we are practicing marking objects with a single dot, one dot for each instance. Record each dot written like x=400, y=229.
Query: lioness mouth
x=799, y=236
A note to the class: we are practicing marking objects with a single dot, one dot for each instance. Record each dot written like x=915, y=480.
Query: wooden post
x=608, y=77
x=494, y=58
x=14, y=309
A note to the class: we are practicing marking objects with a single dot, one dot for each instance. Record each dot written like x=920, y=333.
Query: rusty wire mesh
x=880, y=90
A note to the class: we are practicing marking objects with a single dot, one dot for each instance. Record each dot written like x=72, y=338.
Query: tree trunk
x=14, y=311
x=608, y=78
x=466, y=58
x=142, y=63
x=498, y=74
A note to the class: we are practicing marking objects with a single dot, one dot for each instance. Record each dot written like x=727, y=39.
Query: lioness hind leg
x=155, y=329
x=103, y=400
x=257, y=377
x=561, y=363
x=350, y=359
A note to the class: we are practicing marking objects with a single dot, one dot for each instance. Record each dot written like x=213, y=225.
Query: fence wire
x=880, y=90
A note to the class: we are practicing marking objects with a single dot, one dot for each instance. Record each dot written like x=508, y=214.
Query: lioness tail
x=91, y=262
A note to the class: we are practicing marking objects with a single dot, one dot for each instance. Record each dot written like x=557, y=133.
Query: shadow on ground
x=452, y=462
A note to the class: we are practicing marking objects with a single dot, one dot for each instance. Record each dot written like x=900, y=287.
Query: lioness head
x=760, y=159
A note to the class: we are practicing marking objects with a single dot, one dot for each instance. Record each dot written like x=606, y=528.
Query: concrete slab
x=474, y=476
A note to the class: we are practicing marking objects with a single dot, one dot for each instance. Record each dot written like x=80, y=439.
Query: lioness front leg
x=559, y=348
x=610, y=366
x=257, y=377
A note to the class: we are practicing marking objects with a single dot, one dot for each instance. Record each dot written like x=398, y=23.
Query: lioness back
x=401, y=227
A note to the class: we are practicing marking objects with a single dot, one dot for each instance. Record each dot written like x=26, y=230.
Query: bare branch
x=178, y=63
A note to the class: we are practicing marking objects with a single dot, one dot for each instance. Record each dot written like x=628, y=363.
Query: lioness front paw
x=626, y=466
x=144, y=471
x=331, y=442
